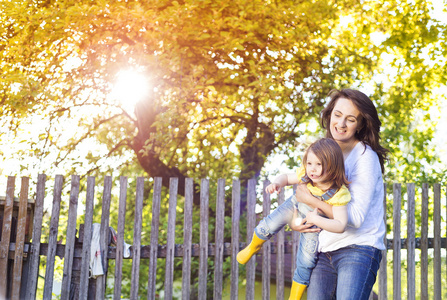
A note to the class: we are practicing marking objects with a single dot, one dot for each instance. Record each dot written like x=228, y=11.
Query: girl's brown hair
x=369, y=131
x=331, y=157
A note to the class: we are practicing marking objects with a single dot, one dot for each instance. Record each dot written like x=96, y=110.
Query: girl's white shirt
x=366, y=225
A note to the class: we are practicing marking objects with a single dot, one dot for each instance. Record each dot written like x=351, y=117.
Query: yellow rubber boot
x=255, y=245
x=297, y=291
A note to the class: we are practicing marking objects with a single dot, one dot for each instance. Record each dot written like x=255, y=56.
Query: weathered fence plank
x=437, y=240
x=52, y=240
x=266, y=248
x=383, y=263
x=20, y=239
x=6, y=233
x=280, y=238
x=34, y=256
x=295, y=242
x=170, y=243
x=136, y=249
x=411, y=243
x=236, y=206
x=397, y=205
x=424, y=243
x=187, y=238
x=87, y=239
x=70, y=237
x=120, y=238
x=203, y=258
x=104, y=236
x=219, y=239
x=251, y=224
x=156, y=200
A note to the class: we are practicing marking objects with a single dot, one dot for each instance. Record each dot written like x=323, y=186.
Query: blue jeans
x=306, y=257
x=345, y=274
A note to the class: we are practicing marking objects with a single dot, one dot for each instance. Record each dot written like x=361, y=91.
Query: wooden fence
x=21, y=247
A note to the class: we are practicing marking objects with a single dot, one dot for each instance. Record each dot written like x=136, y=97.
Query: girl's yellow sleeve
x=342, y=197
x=300, y=172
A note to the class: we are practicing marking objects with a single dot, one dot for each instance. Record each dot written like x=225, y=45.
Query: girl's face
x=345, y=120
x=314, y=168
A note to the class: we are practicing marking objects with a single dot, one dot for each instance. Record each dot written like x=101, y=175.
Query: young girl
x=324, y=174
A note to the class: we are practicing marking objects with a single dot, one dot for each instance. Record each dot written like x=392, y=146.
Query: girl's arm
x=303, y=195
x=281, y=181
x=337, y=224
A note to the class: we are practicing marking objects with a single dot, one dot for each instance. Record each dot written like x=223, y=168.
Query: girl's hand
x=312, y=216
x=273, y=187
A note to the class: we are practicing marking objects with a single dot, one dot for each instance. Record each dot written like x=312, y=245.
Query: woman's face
x=345, y=120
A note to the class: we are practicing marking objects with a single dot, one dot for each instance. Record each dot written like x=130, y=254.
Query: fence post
x=34, y=255
x=219, y=239
x=437, y=240
x=251, y=224
x=104, y=236
x=170, y=243
x=20, y=238
x=52, y=241
x=136, y=249
x=87, y=242
x=397, y=204
x=266, y=248
x=6, y=236
x=295, y=241
x=236, y=207
x=383, y=264
x=280, y=255
x=120, y=238
x=154, y=238
x=70, y=241
x=203, y=258
x=411, y=243
x=187, y=239
x=424, y=243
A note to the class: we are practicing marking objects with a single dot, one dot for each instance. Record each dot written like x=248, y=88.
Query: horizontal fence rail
x=23, y=229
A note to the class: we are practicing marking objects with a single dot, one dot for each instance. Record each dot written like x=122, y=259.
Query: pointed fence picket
x=22, y=229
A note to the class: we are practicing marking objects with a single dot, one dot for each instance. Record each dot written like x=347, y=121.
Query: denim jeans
x=307, y=251
x=306, y=258
x=348, y=273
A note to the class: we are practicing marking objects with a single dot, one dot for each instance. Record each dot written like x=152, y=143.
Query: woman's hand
x=302, y=225
x=303, y=195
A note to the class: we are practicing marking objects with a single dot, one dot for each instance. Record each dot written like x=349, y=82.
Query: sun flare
x=130, y=87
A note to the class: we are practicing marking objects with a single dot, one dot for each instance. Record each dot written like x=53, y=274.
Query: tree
x=243, y=75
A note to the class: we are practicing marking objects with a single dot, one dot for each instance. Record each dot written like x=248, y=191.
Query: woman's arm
x=366, y=180
x=303, y=195
x=337, y=224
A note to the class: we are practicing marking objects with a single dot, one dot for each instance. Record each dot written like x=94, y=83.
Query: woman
x=348, y=262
